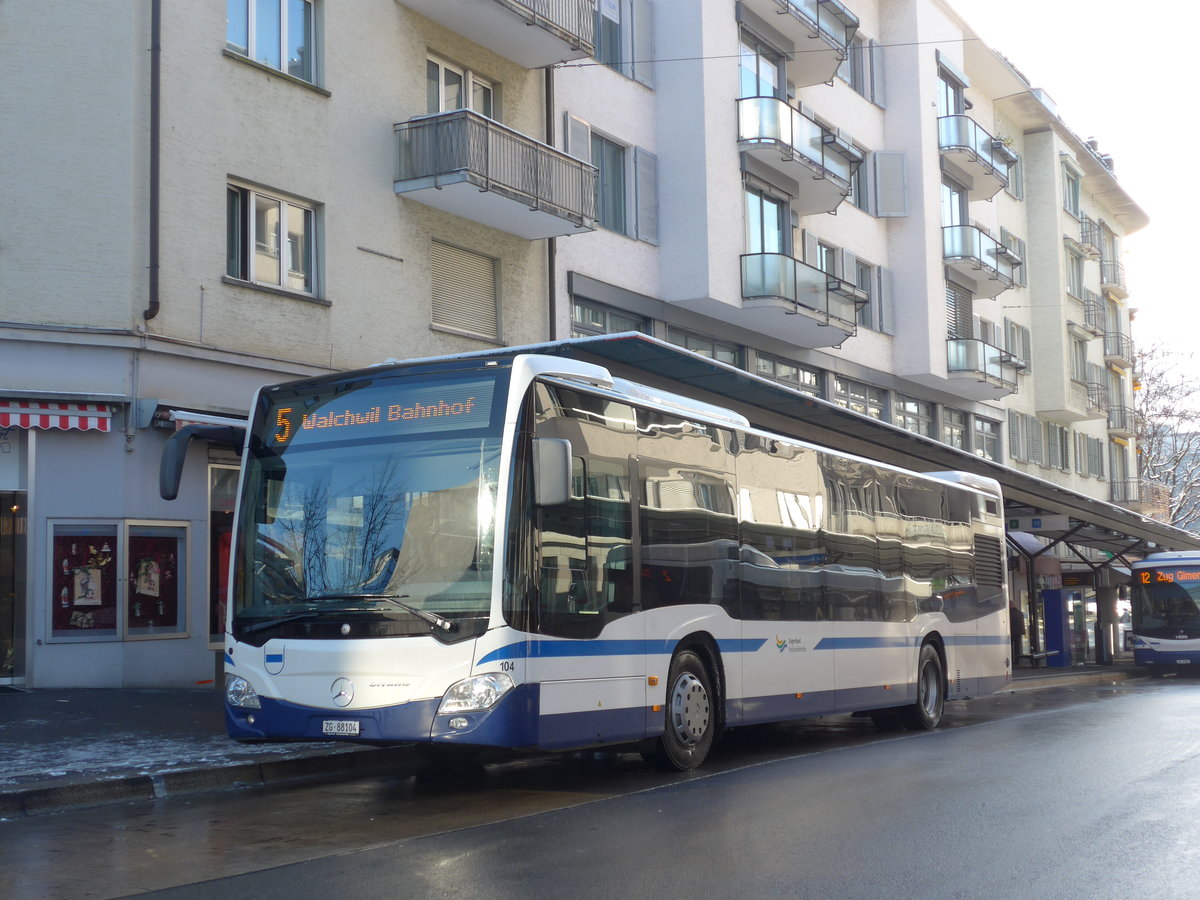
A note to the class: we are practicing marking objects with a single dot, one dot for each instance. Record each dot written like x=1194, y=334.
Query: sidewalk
x=66, y=748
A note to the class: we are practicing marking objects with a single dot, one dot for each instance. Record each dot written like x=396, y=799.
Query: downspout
x=155, y=85
x=551, y=250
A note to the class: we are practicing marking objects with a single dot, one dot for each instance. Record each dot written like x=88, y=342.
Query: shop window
x=118, y=580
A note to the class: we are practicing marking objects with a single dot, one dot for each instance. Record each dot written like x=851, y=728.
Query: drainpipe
x=155, y=86
x=551, y=292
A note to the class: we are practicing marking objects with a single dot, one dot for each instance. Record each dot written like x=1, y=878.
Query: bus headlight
x=476, y=693
x=239, y=692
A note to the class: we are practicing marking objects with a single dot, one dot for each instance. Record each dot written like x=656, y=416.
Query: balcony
x=1089, y=237
x=822, y=310
x=1149, y=498
x=820, y=30
x=975, y=157
x=1118, y=348
x=466, y=164
x=532, y=33
x=979, y=370
x=1121, y=420
x=785, y=139
x=976, y=255
x=1112, y=278
x=1093, y=313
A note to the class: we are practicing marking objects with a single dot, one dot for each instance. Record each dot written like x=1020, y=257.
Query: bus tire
x=926, y=713
x=691, y=719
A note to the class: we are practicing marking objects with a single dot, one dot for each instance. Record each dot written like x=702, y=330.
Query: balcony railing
x=777, y=276
x=1118, y=347
x=821, y=31
x=1112, y=277
x=472, y=166
x=1093, y=312
x=1089, y=237
x=1152, y=495
x=982, y=158
x=980, y=257
x=990, y=365
x=532, y=33
x=783, y=137
x=1121, y=419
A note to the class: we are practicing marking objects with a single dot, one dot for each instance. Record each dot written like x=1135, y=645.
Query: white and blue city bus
x=521, y=550
x=1165, y=599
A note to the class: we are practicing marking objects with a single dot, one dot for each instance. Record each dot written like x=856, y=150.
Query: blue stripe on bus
x=274, y=657
x=892, y=643
x=562, y=649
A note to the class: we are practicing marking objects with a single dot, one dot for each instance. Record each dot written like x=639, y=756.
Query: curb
x=1070, y=680
x=45, y=797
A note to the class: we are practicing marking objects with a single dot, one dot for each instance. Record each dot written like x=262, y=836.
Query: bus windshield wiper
x=423, y=614
x=271, y=623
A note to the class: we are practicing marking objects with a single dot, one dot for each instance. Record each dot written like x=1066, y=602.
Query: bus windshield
x=1166, y=602
x=368, y=509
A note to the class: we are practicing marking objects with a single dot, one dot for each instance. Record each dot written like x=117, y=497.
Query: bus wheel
x=926, y=713
x=690, y=716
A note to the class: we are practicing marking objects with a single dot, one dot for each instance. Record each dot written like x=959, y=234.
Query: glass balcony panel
x=808, y=138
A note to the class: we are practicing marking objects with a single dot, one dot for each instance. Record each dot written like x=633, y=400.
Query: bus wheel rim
x=690, y=709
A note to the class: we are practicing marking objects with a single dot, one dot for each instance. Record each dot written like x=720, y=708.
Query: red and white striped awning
x=63, y=416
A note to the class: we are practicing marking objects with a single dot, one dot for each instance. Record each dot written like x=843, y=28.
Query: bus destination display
x=1169, y=576
x=388, y=409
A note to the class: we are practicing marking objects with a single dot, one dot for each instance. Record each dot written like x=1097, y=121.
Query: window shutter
x=890, y=198
x=645, y=174
x=875, y=59
x=848, y=267
x=811, y=254
x=463, y=290
x=958, y=313
x=643, y=43
x=886, y=313
x=578, y=135
x=1014, y=435
x=1052, y=443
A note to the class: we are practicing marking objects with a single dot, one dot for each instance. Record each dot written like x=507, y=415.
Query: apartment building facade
x=856, y=199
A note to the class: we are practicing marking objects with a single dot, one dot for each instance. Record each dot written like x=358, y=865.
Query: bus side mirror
x=170, y=464
x=551, y=471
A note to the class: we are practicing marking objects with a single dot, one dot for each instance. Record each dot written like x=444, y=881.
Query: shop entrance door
x=12, y=585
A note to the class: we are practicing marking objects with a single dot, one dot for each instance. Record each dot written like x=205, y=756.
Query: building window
x=1018, y=343
x=866, y=279
x=802, y=378
x=1074, y=274
x=987, y=439
x=276, y=33
x=853, y=69
x=860, y=398
x=1058, y=447
x=954, y=428
x=765, y=218
x=914, y=415
x=270, y=240
x=950, y=94
x=954, y=203
x=1016, y=254
x=1071, y=185
x=760, y=70
x=624, y=38
x=1016, y=178
x=589, y=318
x=448, y=87
x=1079, y=363
x=718, y=350
x=609, y=158
x=463, y=290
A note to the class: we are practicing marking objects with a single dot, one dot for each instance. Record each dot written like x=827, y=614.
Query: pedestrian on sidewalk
x=1016, y=629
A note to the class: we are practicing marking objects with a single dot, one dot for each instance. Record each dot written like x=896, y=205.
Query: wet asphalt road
x=1068, y=792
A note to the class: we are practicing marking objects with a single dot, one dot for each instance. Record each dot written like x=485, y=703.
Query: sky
x=1120, y=76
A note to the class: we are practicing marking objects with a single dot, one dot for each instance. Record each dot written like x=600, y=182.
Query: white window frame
x=245, y=252
x=250, y=9
x=470, y=80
